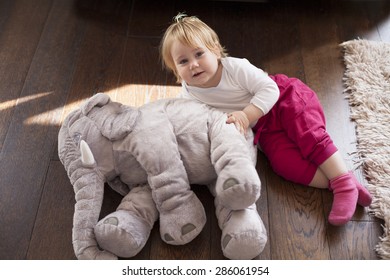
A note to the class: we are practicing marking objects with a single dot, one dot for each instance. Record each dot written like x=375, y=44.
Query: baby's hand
x=240, y=120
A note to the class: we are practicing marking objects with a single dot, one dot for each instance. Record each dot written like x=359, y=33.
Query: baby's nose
x=194, y=64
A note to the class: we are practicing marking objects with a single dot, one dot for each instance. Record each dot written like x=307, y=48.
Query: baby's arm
x=264, y=90
x=245, y=118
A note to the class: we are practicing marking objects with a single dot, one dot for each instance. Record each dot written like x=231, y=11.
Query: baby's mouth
x=197, y=74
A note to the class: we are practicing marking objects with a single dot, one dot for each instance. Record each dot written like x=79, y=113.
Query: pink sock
x=344, y=200
x=364, y=198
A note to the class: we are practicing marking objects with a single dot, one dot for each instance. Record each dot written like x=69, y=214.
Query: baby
x=284, y=113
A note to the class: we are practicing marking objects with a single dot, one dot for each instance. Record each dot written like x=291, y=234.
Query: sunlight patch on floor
x=18, y=101
x=134, y=95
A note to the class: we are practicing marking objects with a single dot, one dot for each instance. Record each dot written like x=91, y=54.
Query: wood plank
x=238, y=35
x=149, y=18
x=263, y=168
x=108, y=15
x=142, y=79
x=33, y=129
x=355, y=241
x=107, y=30
x=297, y=225
x=52, y=235
x=214, y=243
x=353, y=21
x=101, y=54
x=21, y=24
x=378, y=14
x=282, y=44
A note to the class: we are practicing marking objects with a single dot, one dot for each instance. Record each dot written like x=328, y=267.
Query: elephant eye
x=77, y=138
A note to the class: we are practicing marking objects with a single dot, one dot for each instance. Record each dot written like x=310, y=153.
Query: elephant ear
x=114, y=120
x=98, y=100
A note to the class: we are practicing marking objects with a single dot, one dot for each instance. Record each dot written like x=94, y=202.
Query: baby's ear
x=218, y=54
x=217, y=50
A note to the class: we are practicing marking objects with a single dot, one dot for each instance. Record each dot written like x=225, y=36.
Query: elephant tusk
x=86, y=154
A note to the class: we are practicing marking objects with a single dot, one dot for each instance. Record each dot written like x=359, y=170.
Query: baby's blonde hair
x=190, y=31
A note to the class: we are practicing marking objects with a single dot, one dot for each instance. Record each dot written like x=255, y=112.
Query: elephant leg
x=183, y=223
x=182, y=216
x=126, y=231
x=238, y=184
x=243, y=233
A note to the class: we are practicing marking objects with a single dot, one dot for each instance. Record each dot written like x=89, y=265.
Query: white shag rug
x=367, y=86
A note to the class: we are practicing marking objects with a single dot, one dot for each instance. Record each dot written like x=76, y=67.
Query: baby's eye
x=199, y=54
x=183, y=61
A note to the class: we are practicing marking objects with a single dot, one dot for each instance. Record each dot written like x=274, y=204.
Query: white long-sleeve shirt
x=241, y=84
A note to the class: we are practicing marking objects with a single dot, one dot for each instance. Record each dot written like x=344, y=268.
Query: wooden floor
x=56, y=53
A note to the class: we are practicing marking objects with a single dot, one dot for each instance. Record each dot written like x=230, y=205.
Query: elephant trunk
x=88, y=184
x=89, y=190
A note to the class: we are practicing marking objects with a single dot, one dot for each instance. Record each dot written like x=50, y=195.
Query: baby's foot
x=344, y=201
x=364, y=197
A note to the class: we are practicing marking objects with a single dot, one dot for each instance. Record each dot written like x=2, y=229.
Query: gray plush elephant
x=151, y=155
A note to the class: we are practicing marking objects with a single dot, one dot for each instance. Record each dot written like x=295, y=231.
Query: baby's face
x=197, y=66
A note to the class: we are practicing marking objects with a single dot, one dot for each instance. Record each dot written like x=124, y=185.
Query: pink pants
x=293, y=135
